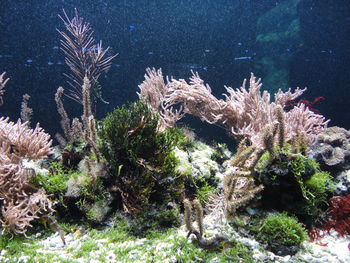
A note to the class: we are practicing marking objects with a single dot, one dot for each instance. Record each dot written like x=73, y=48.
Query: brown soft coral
x=21, y=204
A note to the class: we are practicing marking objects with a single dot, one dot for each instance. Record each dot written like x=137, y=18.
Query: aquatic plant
x=338, y=215
x=282, y=233
x=140, y=158
x=54, y=182
x=294, y=182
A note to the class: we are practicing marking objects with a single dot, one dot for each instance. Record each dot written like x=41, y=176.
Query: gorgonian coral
x=244, y=112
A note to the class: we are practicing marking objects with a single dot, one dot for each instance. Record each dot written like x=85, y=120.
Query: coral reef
x=129, y=173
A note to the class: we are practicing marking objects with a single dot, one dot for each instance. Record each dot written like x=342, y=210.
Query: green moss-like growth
x=159, y=218
x=186, y=139
x=319, y=186
x=282, y=233
x=204, y=192
x=294, y=182
x=141, y=159
x=319, y=183
x=54, y=182
x=77, y=193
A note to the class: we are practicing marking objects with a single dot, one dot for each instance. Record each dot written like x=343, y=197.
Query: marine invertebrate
x=18, y=141
x=204, y=243
x=3, y=82
x=332, y=149
x=19, y=212
x=153, y=91
x=83, y=56
x=21, y=202
x=245, y=112
x=26, y=111
x=238, y=183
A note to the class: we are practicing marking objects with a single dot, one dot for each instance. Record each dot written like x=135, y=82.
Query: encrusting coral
x=332, y=149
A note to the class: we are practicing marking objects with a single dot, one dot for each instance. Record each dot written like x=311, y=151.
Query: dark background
x=178, y=36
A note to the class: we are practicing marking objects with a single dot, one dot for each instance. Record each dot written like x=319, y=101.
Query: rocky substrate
x=167, y=248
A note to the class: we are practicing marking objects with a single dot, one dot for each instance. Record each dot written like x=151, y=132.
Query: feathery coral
x=245, y=112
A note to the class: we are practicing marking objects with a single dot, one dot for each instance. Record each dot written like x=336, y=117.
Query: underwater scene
x=174, y=131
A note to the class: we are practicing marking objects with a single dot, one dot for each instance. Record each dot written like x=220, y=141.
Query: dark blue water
x=287, y=43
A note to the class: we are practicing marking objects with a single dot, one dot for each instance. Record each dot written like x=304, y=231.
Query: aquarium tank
x=174, y=131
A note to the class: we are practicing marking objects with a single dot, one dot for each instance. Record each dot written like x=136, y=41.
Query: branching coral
x=18, y=141
x=19, y=213
x=87, y=61
x=244, y=112
x=238, y=183
x=153, y=91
